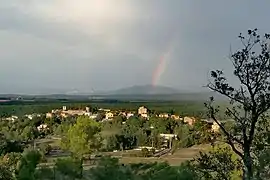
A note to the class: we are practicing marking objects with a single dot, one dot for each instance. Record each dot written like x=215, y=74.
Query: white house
x=42, y=127
x=142, y=110
x=108, y=115
x=93, y=116
x=129, y=115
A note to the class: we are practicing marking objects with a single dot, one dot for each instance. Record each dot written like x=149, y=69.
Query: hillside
x=144, y=90
x=150, y=93
x=133, y=93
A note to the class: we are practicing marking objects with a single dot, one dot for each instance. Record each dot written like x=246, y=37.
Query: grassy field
x=178, y=157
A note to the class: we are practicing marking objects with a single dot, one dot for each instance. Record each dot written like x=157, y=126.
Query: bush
x=45, y=148
x=145, y=152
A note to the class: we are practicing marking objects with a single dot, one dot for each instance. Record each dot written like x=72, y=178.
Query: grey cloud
x=41, y=54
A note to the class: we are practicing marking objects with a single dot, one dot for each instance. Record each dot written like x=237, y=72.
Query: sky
x=65, y=46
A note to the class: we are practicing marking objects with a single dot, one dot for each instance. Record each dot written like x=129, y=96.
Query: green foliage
x=83, y=137
x=201, y=133
x=111, y=143
x=142, y=138
x=145, y=152
x=68, y=167
x=219, y=163
x=28, y=133
x=45, y=148
x=11, y=160
x=185, y=136
x=7, y=146
x=5, y=173
x=27, y=165
x=45, y=173
x=109, y=168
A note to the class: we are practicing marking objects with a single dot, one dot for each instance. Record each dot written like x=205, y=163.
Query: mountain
x=156, y=93
x=144, y=90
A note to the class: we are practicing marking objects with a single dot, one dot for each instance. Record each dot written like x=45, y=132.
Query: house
x=108, y=115
x=122, y=114
x=12, y=118
x=142, y=110
x=189, y=120
x=175, y=117
x=49, y=115
x=129, y=115
x=212, y=125
x=29, y=116
x=64, y=115
x=93, y=116
x=87, y=113
x=105, y=110
x=70, y=112
x=164, y=115
x=145, y=116
x=42, y=127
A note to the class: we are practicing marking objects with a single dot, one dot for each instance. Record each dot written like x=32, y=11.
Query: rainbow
x=158, y=71
x=161, y=67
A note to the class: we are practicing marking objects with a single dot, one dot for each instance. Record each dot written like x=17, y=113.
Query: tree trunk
x=247, y=171
x=81, y=168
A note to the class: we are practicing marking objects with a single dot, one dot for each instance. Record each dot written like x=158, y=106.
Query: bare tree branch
x=229, y=137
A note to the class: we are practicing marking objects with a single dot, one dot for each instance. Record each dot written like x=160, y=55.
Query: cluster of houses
x=29, y=116
x=109, y=115
x=142, y=112
x=64, y=112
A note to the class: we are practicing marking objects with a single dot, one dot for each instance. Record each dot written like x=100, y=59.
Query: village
x=109, y=115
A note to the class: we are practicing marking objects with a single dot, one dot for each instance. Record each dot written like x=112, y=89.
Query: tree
x=219, y=163
x=45, y=148
x=145, y=152
x=185, y=138
x=28, y=133
x=7, y=146
x=141, y=138
x=202, y=132
x=111, y=143
x=11, y=160
x=28, y=164
x=68, y=168
x=45, y=172
x=109, y=168
x=250, y=101
x=160, y=171
x=100, y=116
x=83, y=137
x=130, y=130
x=5, y=173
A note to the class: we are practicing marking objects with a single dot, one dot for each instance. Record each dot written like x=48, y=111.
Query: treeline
x=26, y=166
x=181, y=108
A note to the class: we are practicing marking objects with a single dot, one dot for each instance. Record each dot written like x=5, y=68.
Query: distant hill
x=133, y=93
x=144, y=90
